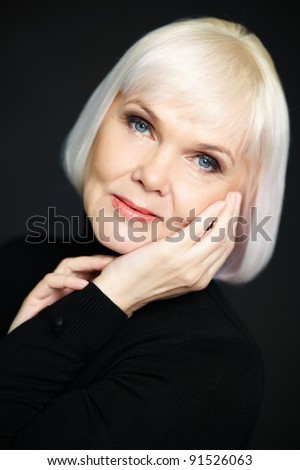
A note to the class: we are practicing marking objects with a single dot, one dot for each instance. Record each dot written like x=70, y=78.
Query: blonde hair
x=225, y=73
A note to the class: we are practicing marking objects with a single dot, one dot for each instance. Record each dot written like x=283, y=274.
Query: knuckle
x=64, y=265
x=202, y=284
x=166, y=258
x=190, y=279
x=218, y=238
x=163, y=257
x=220, y=242
x=211, y=272
x=205, y=280
x=225, y=242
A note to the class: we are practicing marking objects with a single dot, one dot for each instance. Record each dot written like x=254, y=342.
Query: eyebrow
x=145, y=108
x=218, y=148
x=204, y=147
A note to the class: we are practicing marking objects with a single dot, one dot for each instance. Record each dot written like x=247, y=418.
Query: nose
x=154, y=172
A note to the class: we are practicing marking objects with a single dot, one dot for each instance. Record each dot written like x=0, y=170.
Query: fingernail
x=83, y=282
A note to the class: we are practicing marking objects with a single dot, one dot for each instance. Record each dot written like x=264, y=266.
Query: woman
x=128, y=342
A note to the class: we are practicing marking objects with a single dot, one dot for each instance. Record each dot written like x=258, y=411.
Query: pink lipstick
x=129, y=210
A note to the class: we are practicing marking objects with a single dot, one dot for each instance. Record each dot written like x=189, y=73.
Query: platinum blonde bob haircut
x=227, y=76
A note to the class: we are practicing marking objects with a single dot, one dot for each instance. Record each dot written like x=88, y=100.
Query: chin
x=123, y=247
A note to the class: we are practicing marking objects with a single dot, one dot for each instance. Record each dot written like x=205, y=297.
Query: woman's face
x=154, y=157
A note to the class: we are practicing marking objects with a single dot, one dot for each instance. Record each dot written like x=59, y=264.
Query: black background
x=52, y=58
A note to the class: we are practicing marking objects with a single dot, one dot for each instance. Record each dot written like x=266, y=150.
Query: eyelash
x=134, y=119
x=213, y=162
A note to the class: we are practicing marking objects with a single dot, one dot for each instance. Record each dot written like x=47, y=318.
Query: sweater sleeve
x=162, y=392
x=190, y=394
x=41, y=357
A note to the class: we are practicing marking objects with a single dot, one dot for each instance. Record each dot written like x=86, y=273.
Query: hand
x=164, y=269
x=71, y=274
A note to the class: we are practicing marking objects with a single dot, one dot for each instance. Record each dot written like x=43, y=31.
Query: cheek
x=190, y=201
x=208, y=189
x=112, y=159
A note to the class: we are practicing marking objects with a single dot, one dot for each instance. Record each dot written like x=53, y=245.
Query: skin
x=71, y=274
x=158, y=169
x=164, y=164
x=150, y=154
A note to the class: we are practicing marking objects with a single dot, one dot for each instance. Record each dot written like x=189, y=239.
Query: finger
x=219, y=239
x=217, y=265
x=237, y=213
x=211, y=225
x=219, y=255
x=219, y=249
x=44, y=288
x=199, y=224
x=62, y=281
x=207, y=269
x=225, y=225
x=83, y=263
x=212, y=271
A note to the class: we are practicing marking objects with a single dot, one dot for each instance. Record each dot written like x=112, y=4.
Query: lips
x=129, y=209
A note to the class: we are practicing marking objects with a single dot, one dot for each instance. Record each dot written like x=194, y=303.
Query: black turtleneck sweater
x=181, y=373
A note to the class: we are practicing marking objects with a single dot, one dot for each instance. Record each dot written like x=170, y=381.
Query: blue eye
x=208, y=163
x=138, y=125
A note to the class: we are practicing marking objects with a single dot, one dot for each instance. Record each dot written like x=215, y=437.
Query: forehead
x=218, y=89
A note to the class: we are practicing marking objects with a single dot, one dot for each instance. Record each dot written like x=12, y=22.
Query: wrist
x=116, y=295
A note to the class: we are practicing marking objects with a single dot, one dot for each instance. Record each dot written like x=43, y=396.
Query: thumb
x=102, y=260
